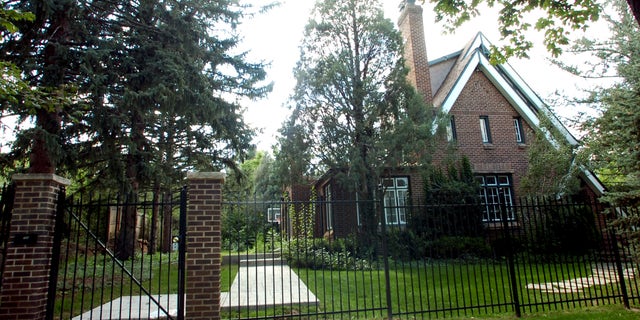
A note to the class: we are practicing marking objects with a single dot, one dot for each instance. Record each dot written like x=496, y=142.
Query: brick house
x=491, y=114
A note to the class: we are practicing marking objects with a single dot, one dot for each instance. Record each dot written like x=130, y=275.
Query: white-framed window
x=496, y=191
x=328, y=211
x=517, y=124
x=396, y=193
x=451, y=130
x=273, y=214
x=485, y=130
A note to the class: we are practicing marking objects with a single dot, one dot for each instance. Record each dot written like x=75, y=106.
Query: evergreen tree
x=353, y=100
x=134, y=92
x=612, y=140
x=293, y=158
x=49, y=52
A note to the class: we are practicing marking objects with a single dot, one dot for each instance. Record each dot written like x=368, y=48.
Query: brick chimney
x=415, y=50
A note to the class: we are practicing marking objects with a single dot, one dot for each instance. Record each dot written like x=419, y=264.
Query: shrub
x=562, y=229
x=458, y=247
x=322, y=254
x=240, y=229
x=405, y=245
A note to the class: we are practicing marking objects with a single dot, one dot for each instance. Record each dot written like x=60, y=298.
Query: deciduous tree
x=556, y=19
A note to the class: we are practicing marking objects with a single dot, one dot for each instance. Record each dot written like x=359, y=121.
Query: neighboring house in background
x=491, y=113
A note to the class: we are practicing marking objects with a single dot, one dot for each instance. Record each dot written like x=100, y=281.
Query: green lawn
x=453, y=289
x=436, y=286
x=616, y=312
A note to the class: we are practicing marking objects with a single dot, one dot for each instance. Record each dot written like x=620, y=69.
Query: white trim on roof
x=516, y=91
x=479, y=60
x=459, y=85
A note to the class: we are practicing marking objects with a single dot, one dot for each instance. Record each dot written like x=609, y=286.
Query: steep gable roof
x=451, y=73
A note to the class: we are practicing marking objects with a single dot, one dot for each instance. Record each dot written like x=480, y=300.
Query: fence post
x=510, y=254
x=204, y=242
x=619, y=270
x=25, y=282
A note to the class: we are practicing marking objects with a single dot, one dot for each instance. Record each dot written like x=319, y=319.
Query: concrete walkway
x=265, y=283
x=601, y=275
x=260, y=283
x=135, y=307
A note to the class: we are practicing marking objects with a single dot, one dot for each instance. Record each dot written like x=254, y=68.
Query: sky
x=274, y=37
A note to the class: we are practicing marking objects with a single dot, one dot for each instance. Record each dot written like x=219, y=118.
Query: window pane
x=402, y=182
x=451, y=130
x=494, y=194
x=518, y=127
x=402, y=202
x=484, y=129
x=390, y=207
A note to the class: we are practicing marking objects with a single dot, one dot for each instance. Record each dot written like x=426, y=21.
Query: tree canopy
x=557, y=19
x=612, y=139
x=352, y=101
x=133, y=93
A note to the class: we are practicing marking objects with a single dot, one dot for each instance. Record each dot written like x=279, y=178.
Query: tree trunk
x=167, y=238
x=43, y=157
x=126, y=241
x=155, y=214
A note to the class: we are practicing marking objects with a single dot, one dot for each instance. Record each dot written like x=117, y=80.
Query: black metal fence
x=282, y=259
x=119, y=257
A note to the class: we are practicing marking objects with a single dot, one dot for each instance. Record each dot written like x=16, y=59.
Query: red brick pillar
x=25, y=280
x=204, y=243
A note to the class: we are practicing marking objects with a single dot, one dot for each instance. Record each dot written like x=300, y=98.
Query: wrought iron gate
x=121, y=257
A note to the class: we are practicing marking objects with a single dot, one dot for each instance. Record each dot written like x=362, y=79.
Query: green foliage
x=151, y=89
x=406, y=245
x=353, y=106
x=302, y=217
x=339, y=254
x=8, y=18
x=627, y=228
x=293, y=159
x=556, y=19
x=611, y=139
x=556, y=229
x=241, y=227
x=452, y=203
x=551, y=169
x=266, y=183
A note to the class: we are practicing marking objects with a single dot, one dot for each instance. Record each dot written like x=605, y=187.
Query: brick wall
x=25, y=282
x=504, y=155
x=204, y=242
